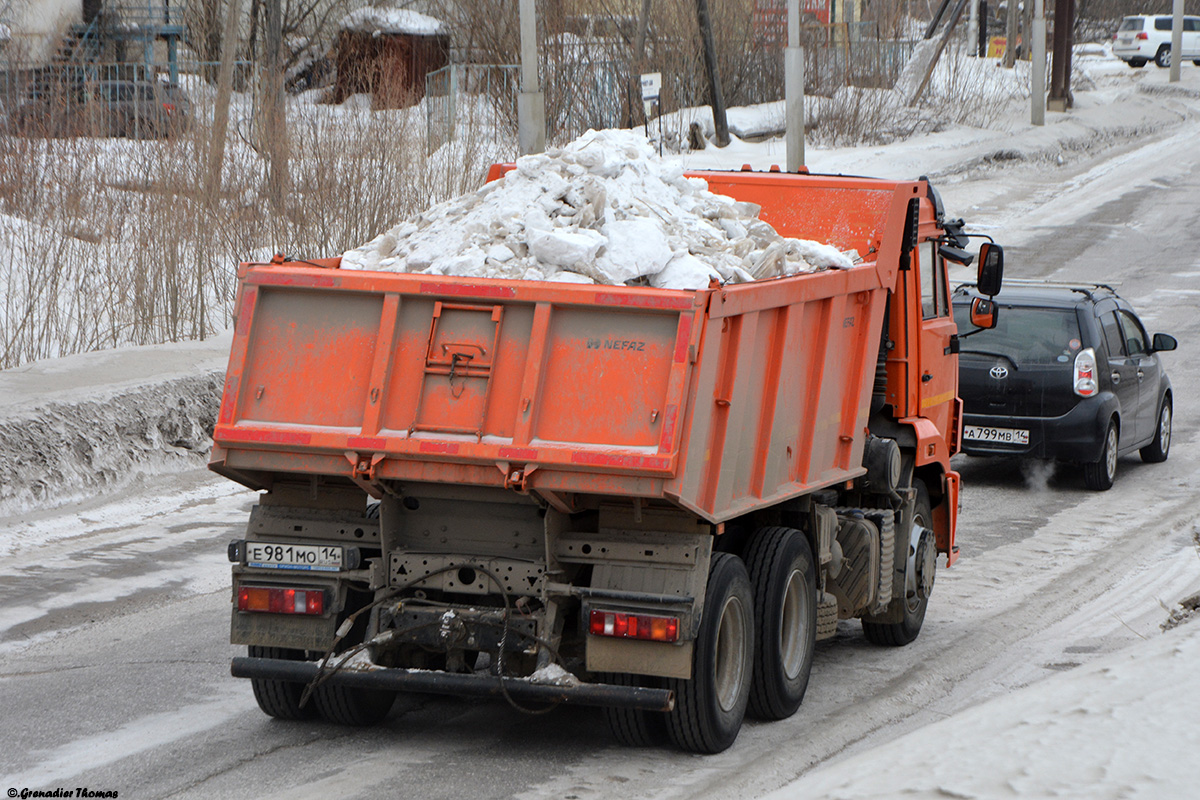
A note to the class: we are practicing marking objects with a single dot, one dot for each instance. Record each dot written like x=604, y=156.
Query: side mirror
x=991, y=269
x=984, y=313
x=1163, y=341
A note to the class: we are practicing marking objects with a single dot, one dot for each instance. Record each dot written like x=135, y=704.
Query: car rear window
x=1027, y=335
x=1162, y=23
x=1130, y=24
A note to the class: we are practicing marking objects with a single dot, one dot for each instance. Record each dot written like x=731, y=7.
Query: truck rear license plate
x=979, y=433
x=311, y=557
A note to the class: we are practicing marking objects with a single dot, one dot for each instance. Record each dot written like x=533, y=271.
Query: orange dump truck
x=647, y=500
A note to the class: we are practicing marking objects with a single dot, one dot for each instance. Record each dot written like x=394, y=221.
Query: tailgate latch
x=515, y=479
x=365, y=472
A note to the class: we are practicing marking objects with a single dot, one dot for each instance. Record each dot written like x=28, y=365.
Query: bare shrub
x=110, y=242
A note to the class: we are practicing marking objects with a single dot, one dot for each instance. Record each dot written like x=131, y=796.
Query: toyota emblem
x=999, y=373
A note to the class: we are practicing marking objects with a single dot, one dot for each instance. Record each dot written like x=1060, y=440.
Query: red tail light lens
x=1085, y=384
x=1143, y=36
x=276, y=600
x=633, y=626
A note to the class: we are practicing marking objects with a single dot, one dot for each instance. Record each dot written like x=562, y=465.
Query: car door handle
x=1141, y=375
x=1116, y=377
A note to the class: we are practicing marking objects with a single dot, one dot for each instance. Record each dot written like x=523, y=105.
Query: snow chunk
x=379, y=20
x=553, y=675
x=605, y=209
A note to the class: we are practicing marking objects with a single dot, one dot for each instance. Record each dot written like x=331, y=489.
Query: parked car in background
x=1067, y=373
x=1146, y=37
x=135, y=109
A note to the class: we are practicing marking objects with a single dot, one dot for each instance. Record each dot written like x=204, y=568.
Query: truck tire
x=710, y=707
x=1156, y=452
x=280, y=699
x=633, y=727
x=1100, y=474
x=783, y=579
x=355, y=707
x=898, y=634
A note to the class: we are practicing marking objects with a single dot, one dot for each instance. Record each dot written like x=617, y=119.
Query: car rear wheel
x=1163, y=57
x=1156, y=452
x=1101, y=473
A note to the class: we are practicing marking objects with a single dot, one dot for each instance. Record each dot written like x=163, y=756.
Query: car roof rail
x=1086, y=289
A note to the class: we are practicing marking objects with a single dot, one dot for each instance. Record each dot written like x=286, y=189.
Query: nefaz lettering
x=616, y=344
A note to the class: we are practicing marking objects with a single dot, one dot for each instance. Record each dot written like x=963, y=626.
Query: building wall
x=36, y=26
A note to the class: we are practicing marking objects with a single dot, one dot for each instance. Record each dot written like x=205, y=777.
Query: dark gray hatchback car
x=136, y=109
x=1067, y=373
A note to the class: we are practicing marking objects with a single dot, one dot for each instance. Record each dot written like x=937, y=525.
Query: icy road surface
x=114, y=612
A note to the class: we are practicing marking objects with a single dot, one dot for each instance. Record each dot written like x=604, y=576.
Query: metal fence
x=457, y=91
x=579, y=95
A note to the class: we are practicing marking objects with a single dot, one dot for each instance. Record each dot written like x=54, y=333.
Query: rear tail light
x=277, y=600
x=1085, y=384
x=633, y=626
x=1143, y=36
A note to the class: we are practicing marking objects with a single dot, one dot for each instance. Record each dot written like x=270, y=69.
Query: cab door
x=938, y=382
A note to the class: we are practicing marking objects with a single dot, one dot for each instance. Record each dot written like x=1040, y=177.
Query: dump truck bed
x=721, y=400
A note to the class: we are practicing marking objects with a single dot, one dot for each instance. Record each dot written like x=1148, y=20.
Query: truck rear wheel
x=783, y=579
x=710, y=707
x=924, y=561
x=280, y=699
x=634, y=727
x=356, y=707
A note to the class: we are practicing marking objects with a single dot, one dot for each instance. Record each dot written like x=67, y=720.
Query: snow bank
x=387, y=20
x=71, y=427
x=604, y=209
x=1121, y=727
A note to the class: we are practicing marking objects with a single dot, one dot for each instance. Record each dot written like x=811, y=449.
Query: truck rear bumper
x=431, y=682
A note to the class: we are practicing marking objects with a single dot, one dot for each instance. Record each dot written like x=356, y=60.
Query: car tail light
x=1143, y=36
x=633, y=626
x=278, y=600
x=1085, y=373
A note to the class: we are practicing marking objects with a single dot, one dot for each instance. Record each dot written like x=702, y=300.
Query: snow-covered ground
x=1126, y=725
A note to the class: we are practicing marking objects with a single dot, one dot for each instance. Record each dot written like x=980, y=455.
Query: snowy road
x=114, y=614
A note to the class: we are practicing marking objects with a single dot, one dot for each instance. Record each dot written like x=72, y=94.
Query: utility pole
x=1037, y=68
x=1060, y=62
x=720, y=123
x=531, y=102
x=1176, y=39
x=273, y=108
x=793, y=89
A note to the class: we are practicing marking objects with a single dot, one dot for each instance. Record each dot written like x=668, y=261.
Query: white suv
x=1148, y=38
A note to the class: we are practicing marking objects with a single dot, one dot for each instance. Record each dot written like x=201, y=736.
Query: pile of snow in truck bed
x=605, y=209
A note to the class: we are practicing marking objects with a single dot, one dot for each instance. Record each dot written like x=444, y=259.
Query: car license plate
x=980, y=433
x=311, y=557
